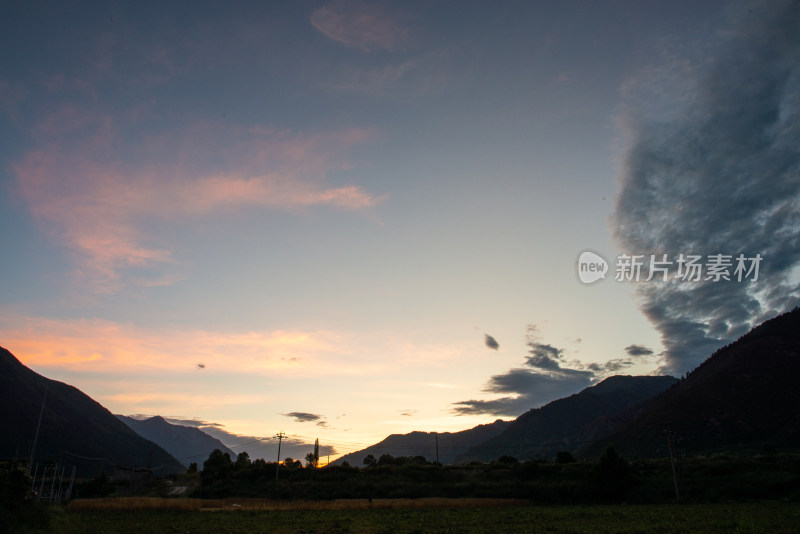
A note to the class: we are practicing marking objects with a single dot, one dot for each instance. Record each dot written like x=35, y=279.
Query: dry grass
x=155, y=503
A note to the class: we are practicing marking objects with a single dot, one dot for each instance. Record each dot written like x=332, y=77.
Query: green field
x=495, y=518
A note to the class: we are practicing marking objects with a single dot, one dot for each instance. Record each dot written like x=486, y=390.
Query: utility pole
x=671, y=436
x=280, y=436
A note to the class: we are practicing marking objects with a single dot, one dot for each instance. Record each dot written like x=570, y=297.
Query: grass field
x=391, y=516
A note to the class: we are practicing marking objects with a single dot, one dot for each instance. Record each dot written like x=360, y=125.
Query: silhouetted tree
x=218, y=466
x=386, y=459
x=311, y=462
x=312, y=458
x=291, y=463
x=192, y=468
x=242, y=460
x=370, y=461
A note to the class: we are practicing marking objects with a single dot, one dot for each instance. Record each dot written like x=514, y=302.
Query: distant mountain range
x=539, y=433
x=450, y=444
x=745, y=396
x=74, y=428
x=187, y=444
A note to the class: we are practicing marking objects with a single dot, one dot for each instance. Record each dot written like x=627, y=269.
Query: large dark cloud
x=719, y=173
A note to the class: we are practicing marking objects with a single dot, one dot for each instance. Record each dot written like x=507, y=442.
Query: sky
x=344, y=219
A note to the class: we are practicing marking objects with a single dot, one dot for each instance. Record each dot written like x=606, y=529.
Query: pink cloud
x=362, y=25
x=102, y=346
x=97, y=194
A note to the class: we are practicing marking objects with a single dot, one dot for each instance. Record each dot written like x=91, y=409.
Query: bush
x=100, y=486
x=18, y=511
x=614, y=477
x=564, y=457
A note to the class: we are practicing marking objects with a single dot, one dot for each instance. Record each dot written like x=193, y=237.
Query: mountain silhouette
x=187, y=444
x=563, y=424
x=744, y=396
x=450, y=444
x=75, y=429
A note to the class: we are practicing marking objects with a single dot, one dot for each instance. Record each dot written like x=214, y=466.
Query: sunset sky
x=308, y=216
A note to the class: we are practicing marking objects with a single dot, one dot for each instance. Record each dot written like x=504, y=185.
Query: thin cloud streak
x=95, y=346
x=100, y=346
x=362, y=25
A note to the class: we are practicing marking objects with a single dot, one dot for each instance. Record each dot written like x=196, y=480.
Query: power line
x=36, y=435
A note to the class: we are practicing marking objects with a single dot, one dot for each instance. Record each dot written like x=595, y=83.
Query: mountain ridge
x=74, y=426
x=419, y=443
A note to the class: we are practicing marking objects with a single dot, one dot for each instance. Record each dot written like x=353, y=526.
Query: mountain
x=185, y=443
x=744, y=396
x=563, y=424
x=451, y=444
x=74, y=427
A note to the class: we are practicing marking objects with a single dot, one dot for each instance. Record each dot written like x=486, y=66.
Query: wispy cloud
x=421, y=75
x=100, y=200
x=94, y=346
x=199, y=401
x=712, y=167
x=364, y=25
x=101, y=346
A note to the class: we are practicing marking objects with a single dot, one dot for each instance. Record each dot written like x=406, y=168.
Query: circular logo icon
x=591, y=267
